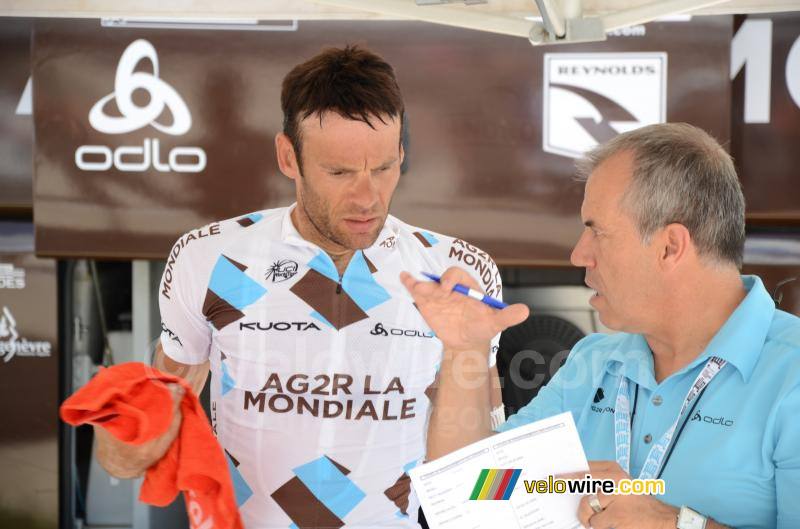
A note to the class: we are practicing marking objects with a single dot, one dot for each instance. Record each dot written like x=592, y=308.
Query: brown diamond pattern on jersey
x=219, y=312
x=305, y=509
x=372, y=267
x=422, y=239
x=230, y=290
x=399, y=492
x=233, y=459
x=237, y=264
x=250, y=219
x=327, y=298
x=430, y=391
x=343, y=469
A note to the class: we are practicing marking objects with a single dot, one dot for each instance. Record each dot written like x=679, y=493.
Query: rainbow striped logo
x=495, y=484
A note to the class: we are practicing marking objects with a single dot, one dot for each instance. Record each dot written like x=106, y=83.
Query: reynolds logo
x=591, y=97
x=161, y=99
x=606, y=69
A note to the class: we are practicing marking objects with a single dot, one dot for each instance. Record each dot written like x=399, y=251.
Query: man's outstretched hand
x=460, y=322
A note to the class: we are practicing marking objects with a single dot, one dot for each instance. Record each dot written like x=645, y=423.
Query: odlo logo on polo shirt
x=721, y=421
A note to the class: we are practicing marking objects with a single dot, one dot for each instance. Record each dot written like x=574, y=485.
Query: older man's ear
x=675, y=245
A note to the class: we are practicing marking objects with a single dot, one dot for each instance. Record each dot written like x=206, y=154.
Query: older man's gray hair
x=681, y=175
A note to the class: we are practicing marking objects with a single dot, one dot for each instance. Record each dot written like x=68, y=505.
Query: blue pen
x=474, y=294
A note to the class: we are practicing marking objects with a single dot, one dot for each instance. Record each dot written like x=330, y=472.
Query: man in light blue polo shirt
x=701, y=387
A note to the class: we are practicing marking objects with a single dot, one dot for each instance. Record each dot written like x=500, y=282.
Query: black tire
x=545, y=338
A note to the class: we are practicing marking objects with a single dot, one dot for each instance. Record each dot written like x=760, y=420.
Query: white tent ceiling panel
x=308, y=9
x=574, y=19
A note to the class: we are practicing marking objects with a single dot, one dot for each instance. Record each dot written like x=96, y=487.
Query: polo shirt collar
x=741, y=338
x=634, y=360
x=739, y=341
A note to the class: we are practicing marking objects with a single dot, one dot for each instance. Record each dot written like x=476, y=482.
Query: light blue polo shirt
x=738, y=457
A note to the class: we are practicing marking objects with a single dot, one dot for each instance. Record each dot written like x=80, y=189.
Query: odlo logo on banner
x=161, y=97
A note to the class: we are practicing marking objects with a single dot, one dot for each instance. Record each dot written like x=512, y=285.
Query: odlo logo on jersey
x=380, y=330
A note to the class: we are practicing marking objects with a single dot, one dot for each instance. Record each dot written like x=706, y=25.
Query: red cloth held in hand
x=132, y=401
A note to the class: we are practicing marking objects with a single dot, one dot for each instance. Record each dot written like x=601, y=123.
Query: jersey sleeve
x=479, y=264
x=185, y=333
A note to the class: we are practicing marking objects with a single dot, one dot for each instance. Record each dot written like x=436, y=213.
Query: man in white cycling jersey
x=323, y=370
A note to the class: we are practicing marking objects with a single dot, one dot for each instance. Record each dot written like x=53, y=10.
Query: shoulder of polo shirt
x=600, y=346
x=785, y=330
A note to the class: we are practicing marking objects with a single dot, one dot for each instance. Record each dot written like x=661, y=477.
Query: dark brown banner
x=766, y=116
x=28, y=391
x=144, y=134
x=16, y=119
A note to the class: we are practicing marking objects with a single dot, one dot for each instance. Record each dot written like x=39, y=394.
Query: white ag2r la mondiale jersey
x=321, y=384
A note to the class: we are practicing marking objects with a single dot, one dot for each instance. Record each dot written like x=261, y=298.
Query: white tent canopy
x=542, y=21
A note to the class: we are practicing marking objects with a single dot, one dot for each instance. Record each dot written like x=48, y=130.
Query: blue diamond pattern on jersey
x=240, y=487
x=429, y=237
x=361, y=286
x=323, y=264
x=333, y=488
x=227, y=380
x=233, y=285
x=255, y=217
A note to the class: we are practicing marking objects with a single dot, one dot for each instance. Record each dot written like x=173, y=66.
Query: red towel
x=133, y=403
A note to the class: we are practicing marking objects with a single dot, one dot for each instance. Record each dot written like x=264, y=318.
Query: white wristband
x=498, y=416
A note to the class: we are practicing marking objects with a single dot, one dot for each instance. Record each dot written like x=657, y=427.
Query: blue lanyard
x=622, y=421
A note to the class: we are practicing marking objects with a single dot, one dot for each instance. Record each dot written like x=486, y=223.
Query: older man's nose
x=581, y=255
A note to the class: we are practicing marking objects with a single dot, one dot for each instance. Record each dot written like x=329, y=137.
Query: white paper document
x=540, y=449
